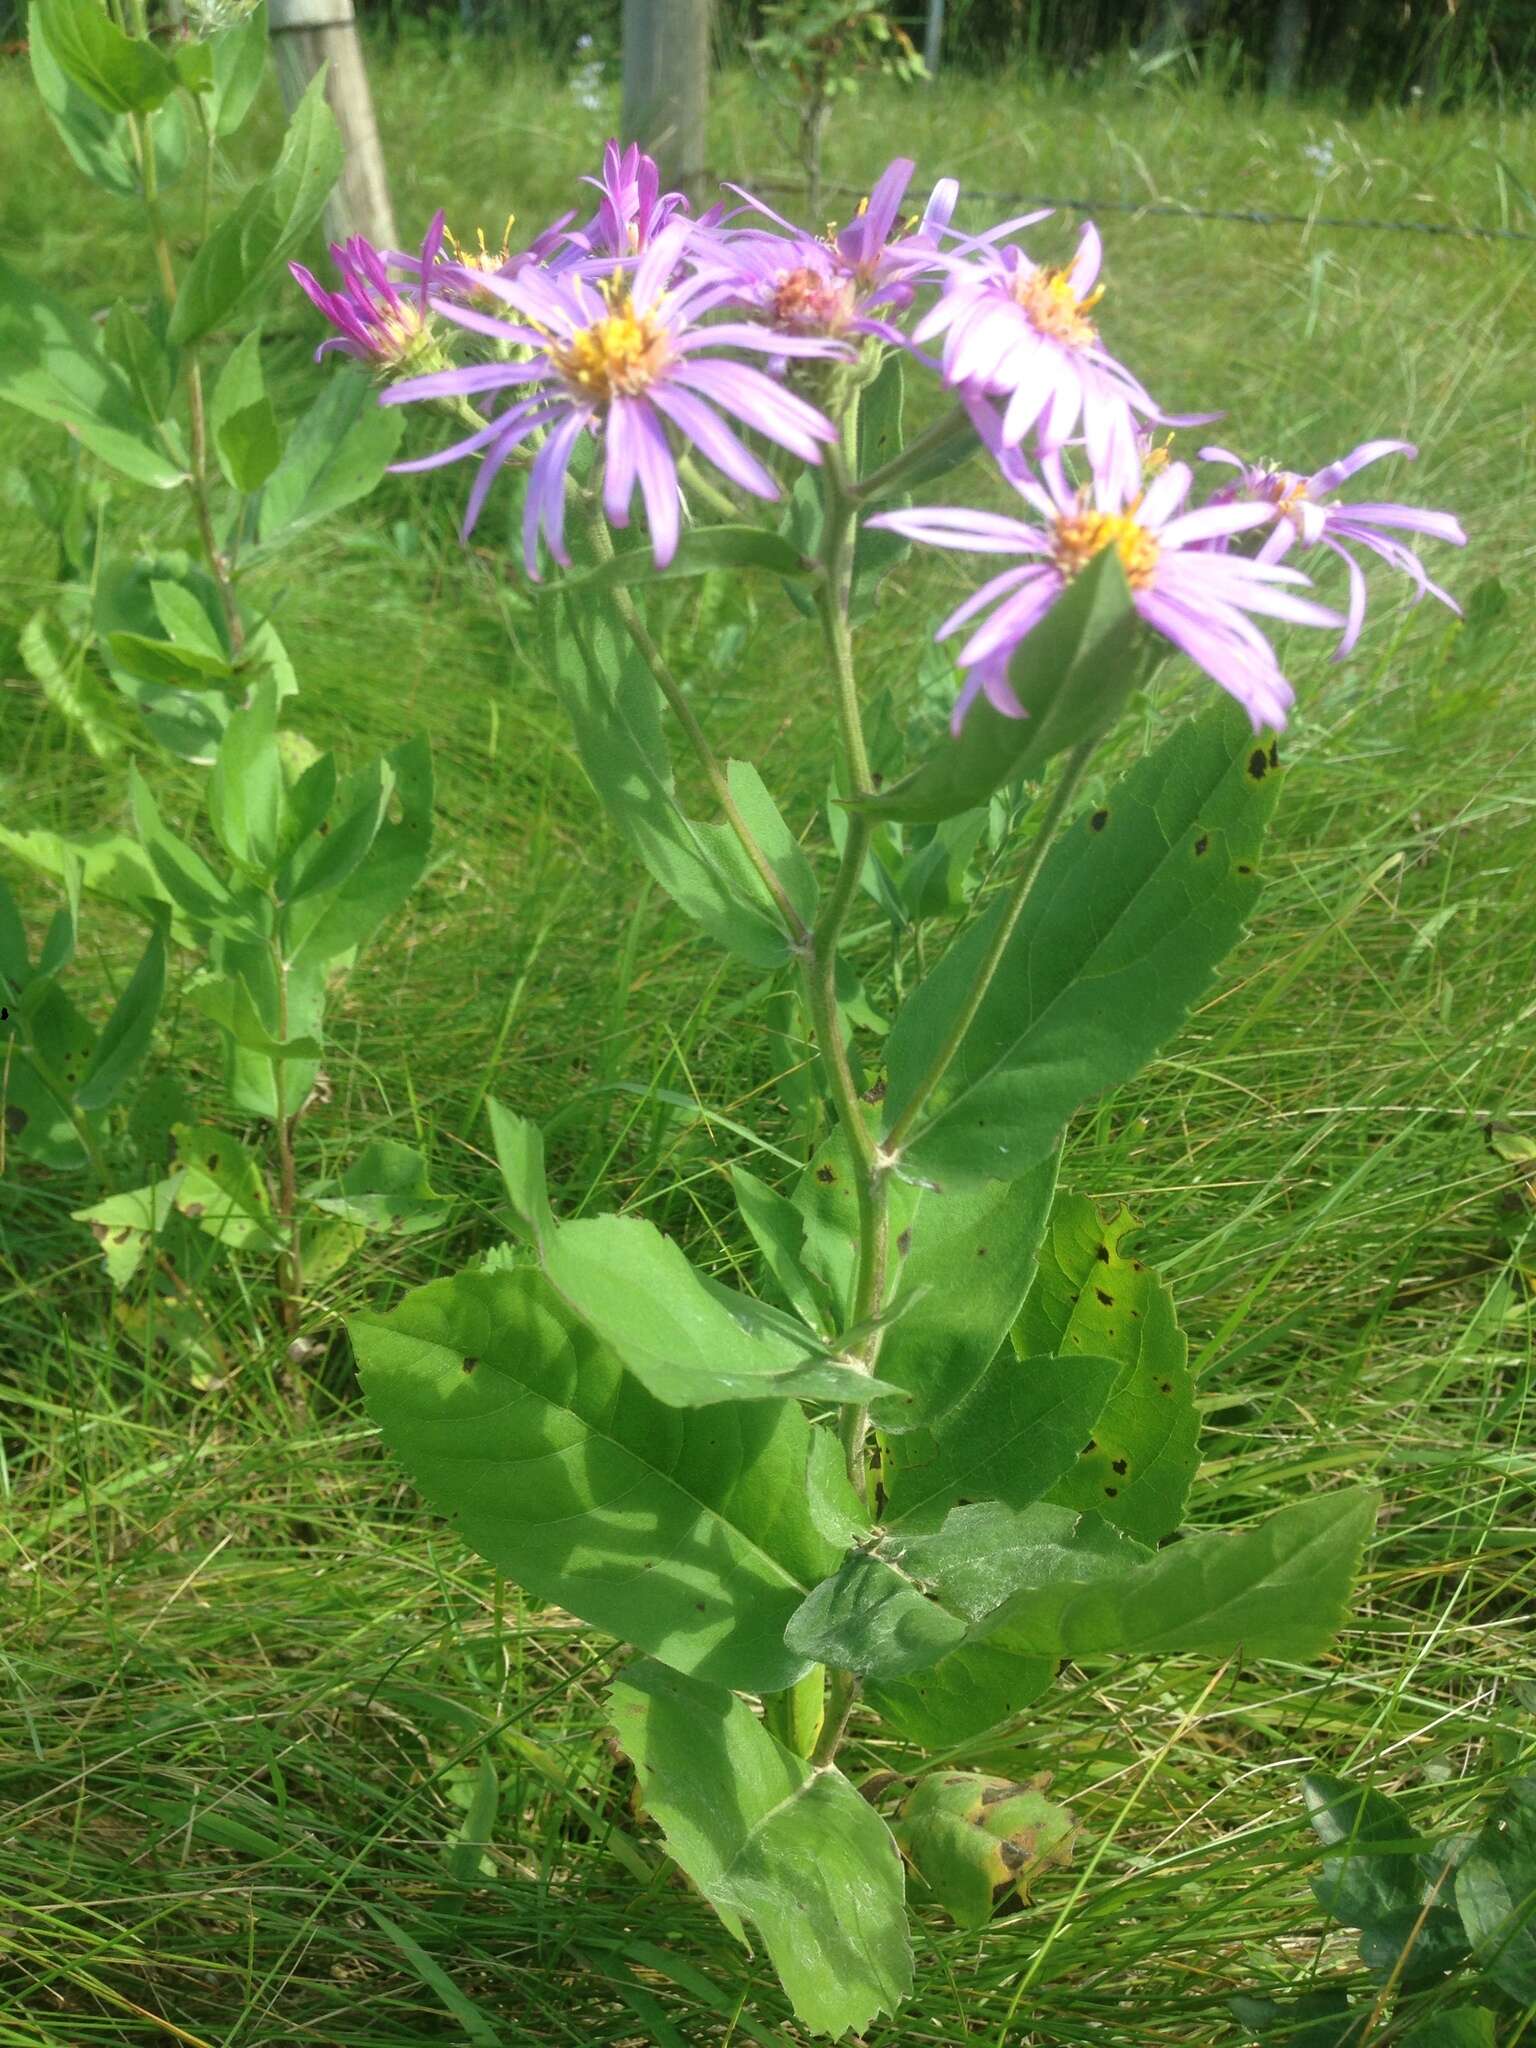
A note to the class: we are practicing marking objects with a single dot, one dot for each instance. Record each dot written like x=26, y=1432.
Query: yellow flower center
x=1083, y=534
x=1284, y=490
x=1053, y=308
x=618, y=356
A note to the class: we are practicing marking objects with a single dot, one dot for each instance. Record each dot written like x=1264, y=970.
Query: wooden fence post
x=666, y=85
x=933, y=37
x=305, y=35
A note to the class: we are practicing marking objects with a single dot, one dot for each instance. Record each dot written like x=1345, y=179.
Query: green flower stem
x=839, y=533
x=905, y=1125
x=880, y=483
x=291, y=1266
x=197, y=481
x=698, y=739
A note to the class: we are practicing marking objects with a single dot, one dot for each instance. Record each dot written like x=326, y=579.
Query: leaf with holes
x=975, y=1838
x=771, y=1840
x=683, y=1530
x=1090, y=1297
x=1121, y=934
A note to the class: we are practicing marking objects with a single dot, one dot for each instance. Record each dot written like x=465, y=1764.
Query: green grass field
x=281, y=1763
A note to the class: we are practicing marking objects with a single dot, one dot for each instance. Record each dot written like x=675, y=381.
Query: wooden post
x=666, y=85
x=933, y=39
x=305, y=35
x=1287, y=48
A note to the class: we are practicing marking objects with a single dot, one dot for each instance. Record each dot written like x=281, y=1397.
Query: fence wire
x=1176, y=210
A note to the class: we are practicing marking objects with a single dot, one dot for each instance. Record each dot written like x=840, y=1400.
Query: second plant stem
x=291, y=1286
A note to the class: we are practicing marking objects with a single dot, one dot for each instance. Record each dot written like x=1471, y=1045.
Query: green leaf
x=520, y=1157
x=52, y=365
x=1081, y=1589
x=239, y=66
x=57, y=662
x=1496, y=1893
x=245, y=790
x=385, y=1188
x=1459, y=2026
x=333, y=922
x=1089, y=1296
x=98, y=141
x=125, y=1038
x=341, y=843
x=615, y=710
x=689, y=1343
x=1010, y=1440
x=181, y=871
x=1383, y=1879
x=268, y=224
x=230, y=1005
x=143, y=358
x=220, y=1188
x=772, y=1840
x=336, y=454
x=126, y=1226
x=122, y=74
x=785, y=854
x=1072, y=675
x=700, y=550
x=971, y=1690
x=1318, y=2019
x=974, y=1838
x=1121, y=934
x=244, y=426
x=868, y=1618
x=683, y=1530
x=968, y=1263
x=778, y=1231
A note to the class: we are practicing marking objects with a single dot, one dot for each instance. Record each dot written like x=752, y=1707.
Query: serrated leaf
x=267, y=225
x=683, y=1530
x=335, y=455
x=771, y=1840
x=1071, y=675
x=869, y=1619
x=1090, y=1297
x=1131, y=912
x=385, y=1188
x=1275, y=1589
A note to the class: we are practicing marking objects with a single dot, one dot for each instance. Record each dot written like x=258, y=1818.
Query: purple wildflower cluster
x=669, y=339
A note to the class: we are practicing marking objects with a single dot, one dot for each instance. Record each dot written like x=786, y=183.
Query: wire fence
x=1254, y=217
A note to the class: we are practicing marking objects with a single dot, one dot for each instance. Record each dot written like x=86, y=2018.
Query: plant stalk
x=880, y=483
x=902, y=1130
x=291, y=1264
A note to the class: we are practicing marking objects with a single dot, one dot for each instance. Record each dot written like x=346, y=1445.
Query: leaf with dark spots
x=1098, y=821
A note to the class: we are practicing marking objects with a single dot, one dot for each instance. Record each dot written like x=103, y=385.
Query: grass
x=283, y=1765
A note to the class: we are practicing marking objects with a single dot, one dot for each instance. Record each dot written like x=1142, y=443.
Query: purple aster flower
x=633, y=209
x=375, y=324
x=460, y=271
x=624, y=359
x=1303, y=509
x=1024, y=333
x=803, y=285
x=1194, y=596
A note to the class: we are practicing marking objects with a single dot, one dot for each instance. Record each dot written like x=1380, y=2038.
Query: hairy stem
x=1040, y=846
x=698, y=739
x=839, y=533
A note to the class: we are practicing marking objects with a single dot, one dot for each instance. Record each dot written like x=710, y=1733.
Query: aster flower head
x=1025, y=334
x=847, y=281
x=374, y=323
x=633, y=209
x=1303, y=510
x=626, y=360
x=1199, y=599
